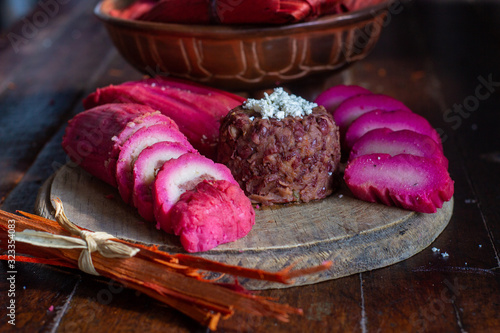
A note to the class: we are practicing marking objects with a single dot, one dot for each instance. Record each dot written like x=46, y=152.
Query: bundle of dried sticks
x=177, y=280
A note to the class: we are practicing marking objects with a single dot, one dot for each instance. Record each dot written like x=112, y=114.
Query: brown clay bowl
x=245, y=57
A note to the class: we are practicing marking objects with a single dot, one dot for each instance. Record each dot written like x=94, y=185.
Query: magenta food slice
x=143, y=121
x=334, y=96
x=386, y=141
x=394, y=120
x=93, y=138
x=353, y=107
x=147, y=165
x=406, y=181
x=134, y=145
x=197, y=109
x=179, y=175
x=213, y=213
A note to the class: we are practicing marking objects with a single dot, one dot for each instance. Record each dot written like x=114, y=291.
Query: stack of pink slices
x=145, y=154
x=394, y=156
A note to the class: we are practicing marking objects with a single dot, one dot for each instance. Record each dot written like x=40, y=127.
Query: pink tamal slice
x=394, y=120
x=386, y=141
x=213, y=213
x=410, y=182
x=353, y=107
x=134, y=145
x=179, y=175
x=144, y=121
x=334, y=96
x=93, y=138
x=147, y=165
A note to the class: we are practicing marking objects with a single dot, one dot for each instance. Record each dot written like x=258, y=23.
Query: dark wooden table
x=440, y=57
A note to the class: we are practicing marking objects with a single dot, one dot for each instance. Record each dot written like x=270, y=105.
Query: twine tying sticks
x=88, y=241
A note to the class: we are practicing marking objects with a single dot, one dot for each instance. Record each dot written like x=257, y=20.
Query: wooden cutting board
x=357, y=236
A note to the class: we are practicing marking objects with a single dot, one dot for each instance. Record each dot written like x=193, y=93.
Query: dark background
x=12, y=10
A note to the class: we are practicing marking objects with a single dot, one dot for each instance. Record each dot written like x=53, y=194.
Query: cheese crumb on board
x=279, y=104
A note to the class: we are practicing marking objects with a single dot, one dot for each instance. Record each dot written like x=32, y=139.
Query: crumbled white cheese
x=279, y=104
x=445, y=254
x=435, y=249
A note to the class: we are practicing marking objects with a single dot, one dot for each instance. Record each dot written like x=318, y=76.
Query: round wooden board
x=357, y=236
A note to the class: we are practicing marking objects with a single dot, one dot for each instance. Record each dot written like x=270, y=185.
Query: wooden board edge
x=413, y=233
x=43, y=206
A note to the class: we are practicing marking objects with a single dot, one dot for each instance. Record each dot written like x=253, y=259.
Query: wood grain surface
x=433, y=55
x=356, y=236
